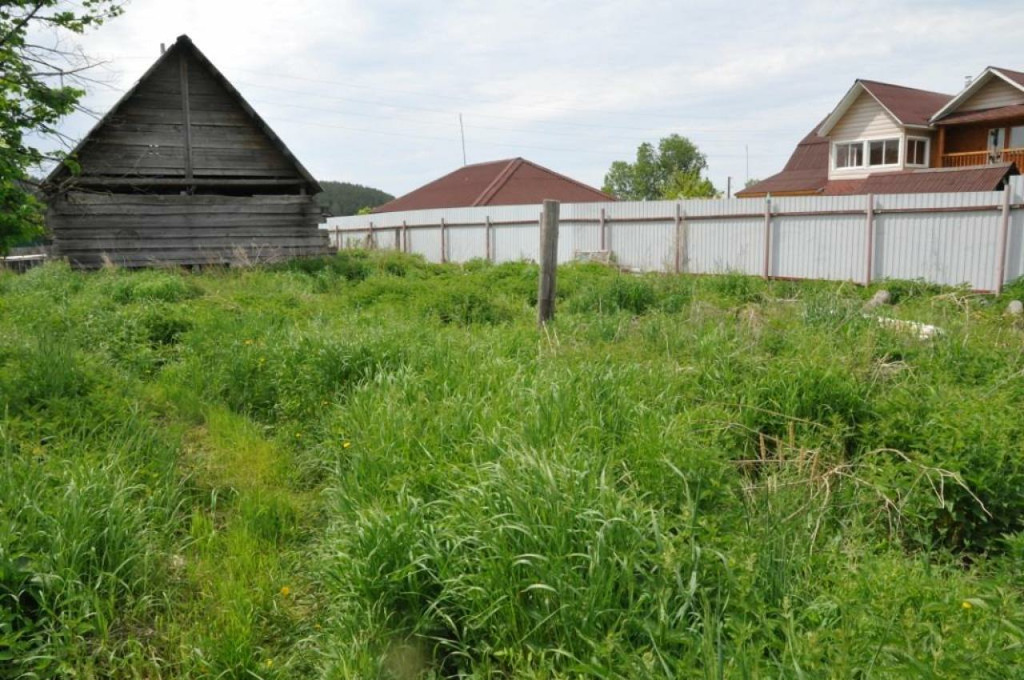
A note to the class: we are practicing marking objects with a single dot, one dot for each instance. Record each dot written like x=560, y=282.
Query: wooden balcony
x=971, y=158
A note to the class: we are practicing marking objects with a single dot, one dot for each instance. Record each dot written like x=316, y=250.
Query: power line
x=373, y=88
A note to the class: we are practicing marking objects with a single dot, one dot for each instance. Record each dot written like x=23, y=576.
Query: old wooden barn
x=182, y=171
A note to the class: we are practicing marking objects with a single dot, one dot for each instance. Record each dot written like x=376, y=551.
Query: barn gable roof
x=289, y=170
x=514, y=181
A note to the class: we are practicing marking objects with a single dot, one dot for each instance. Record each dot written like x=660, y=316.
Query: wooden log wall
x=146, y=230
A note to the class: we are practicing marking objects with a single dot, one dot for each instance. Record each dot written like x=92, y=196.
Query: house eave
x=847, y=101
x=965, y=94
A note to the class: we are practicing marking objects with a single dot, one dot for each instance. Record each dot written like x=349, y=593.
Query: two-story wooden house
x=884, y=138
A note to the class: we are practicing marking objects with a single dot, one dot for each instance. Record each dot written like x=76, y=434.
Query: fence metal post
x=444, y=244
x=767, y=236
x=487, y=238
x=680, y=239
x=603, y=236
x=870, y=254
x=1004, y=233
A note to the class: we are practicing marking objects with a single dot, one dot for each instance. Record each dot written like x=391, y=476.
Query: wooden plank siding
x=182, y=171
x=140, y=230
x=147, y=135
x=993, y=94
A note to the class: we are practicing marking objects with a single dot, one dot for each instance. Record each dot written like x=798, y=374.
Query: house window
x=884, y=152
x=1017, y=137
x=917, y=151
x=850, y=155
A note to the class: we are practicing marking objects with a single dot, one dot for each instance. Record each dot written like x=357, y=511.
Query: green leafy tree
x=672, y=170
x=344, y=198
x=39, y=84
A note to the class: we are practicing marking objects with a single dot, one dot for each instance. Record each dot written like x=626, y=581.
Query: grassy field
x=371, y=467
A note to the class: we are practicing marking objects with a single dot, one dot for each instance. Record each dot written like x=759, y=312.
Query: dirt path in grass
x=245, y=607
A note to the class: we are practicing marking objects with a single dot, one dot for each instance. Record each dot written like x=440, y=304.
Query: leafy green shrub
x=624, y=293
x=164, y=326
x=734, y=288
x=352, y=265
x=462, y=303
x=395, y=263
x=383, y=290
x=974, y=441
x=43, y=372
x=902, y=290
x=152, y=286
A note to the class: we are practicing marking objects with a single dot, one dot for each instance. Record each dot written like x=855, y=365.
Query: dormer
x=878, y=127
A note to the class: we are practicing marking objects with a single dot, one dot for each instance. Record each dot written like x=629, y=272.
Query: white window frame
x=927, y=151
x=899, y=152
x=866, y=154
x=845, y=168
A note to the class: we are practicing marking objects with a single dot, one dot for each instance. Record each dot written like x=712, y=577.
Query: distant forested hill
x=343, y=198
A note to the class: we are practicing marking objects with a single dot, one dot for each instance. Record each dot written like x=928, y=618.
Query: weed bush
x=374, y=466
x=622, y=293
x=152, y=286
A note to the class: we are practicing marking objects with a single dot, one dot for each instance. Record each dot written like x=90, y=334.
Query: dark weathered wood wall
x=146, y=135
x=146, y=230
x=161, y=179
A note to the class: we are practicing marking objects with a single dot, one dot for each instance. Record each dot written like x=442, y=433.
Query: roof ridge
x=498, y=182
x=565, y=177
x=1007, y=70
x=902, y=87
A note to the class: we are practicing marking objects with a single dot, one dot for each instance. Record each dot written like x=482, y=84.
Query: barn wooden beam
x=186, y=110
x=100, y=182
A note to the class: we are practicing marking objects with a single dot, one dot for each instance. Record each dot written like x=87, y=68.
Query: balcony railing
x=969, y=158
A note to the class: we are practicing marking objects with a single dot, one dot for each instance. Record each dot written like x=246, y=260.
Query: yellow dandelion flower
x=285, y=591
x=346, y=445
x=966, y=605
x=270, y=662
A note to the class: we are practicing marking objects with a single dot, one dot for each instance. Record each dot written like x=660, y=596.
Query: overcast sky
x=370, y=92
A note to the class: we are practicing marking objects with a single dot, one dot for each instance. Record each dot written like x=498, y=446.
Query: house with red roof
x=515, y=181
x=884, y=138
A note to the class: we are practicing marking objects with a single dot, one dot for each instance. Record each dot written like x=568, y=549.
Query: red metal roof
x=515, y=181
x=910, y=105
x=805, y=172
x=979, y=178
x=1015, y=76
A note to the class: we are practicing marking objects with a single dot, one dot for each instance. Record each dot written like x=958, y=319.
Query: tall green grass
x=370, y=466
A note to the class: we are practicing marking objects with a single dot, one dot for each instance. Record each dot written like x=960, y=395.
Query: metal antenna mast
x=462, y=133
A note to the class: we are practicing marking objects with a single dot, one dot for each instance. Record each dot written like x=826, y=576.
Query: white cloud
x=574, y=85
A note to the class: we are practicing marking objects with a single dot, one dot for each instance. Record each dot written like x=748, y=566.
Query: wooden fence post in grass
x=548, y=262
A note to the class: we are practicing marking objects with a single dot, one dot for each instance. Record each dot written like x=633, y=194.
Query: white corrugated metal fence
x=976, y=239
